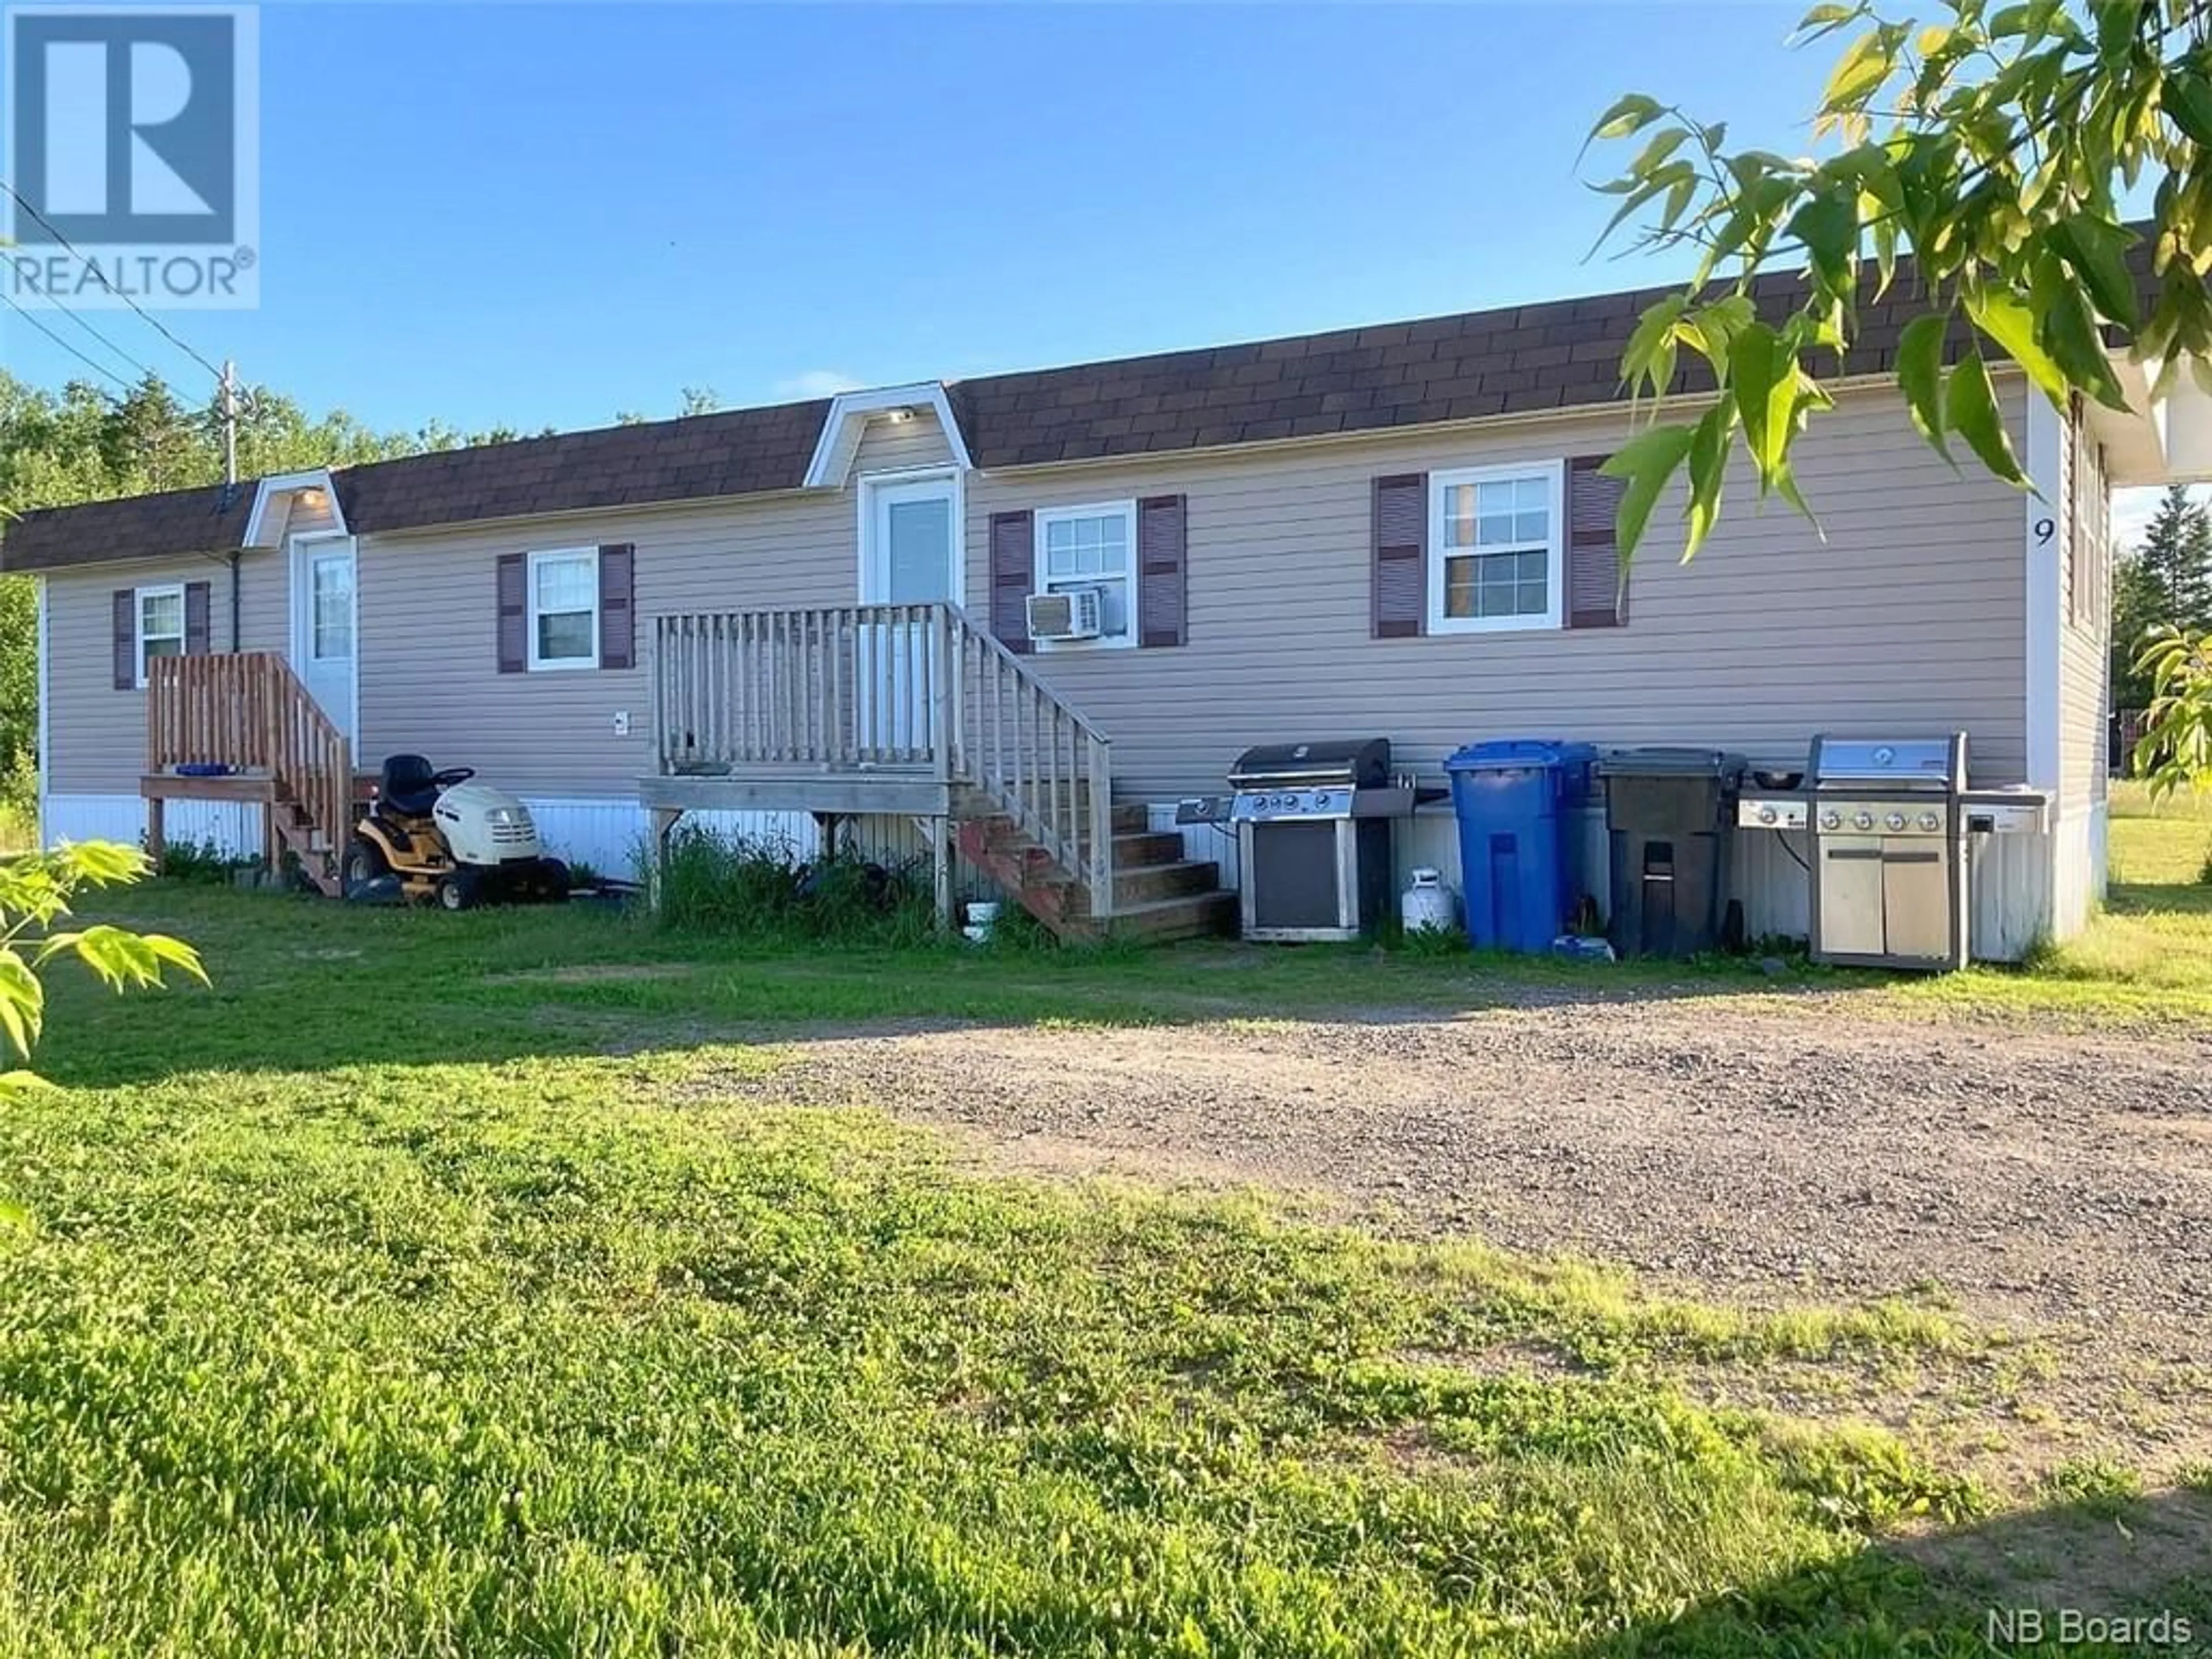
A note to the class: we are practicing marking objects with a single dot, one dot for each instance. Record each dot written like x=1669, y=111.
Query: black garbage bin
x=1670, y=818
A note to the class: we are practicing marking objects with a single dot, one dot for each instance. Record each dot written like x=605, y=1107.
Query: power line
x=92, y=266
x=32, y=318
x=85, y=324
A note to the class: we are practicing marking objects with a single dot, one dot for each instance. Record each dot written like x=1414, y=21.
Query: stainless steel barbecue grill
x=1889, y=851
x=1893, y=832
x=1313, y=835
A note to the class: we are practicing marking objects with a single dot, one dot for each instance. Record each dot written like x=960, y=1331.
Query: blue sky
x=545, y=215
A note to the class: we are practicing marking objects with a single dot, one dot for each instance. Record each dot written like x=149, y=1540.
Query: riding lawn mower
x=435, y=834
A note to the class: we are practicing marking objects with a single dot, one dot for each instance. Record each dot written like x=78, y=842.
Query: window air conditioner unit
x=1070, y=614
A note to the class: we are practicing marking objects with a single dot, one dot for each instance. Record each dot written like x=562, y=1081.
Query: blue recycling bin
x=1518, y=802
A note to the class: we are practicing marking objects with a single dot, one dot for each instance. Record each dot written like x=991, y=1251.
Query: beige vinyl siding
x=429, y=668
x=1910, y=617
x=97, y=734
x=888, y=446
x=296, y=518
x=2085, y=624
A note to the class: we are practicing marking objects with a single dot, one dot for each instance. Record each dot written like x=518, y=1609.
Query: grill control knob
x=1862, y=821
x=1767, y=815
x=1931, y=821
x=1831, y=819
x=1895, y=820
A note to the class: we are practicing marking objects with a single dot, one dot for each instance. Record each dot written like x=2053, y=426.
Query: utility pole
x=229, y=422
x=230, y=408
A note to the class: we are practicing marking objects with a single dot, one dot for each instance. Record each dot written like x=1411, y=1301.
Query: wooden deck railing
x=249, y=711
x=883, y=688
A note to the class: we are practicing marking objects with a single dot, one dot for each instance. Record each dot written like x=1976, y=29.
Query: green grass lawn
x=2148, y=955
x=419, y=1289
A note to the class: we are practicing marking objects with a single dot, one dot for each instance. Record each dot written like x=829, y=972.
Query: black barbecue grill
x=1313, y=835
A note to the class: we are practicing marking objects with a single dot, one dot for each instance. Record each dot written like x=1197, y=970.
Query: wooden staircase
x=248, y=712
x=913, y=710
x=1158, y=894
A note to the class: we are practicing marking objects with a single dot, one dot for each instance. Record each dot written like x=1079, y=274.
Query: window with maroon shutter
x=1597, y=592
x=1400, y=554
x=1013, y=571
x=513, y=614
x=126, y=639
x=196, y=640
x=1162, y=588
x=618, y=610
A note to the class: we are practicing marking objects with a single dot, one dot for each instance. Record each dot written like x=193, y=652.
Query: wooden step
x=1147, y=884
x=1203, y=915
x=1151, y=847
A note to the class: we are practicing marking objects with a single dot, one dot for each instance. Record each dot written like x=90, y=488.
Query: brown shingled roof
x=1512, y=360
x=741, y=451
x=1509, y=360
x=208, y=519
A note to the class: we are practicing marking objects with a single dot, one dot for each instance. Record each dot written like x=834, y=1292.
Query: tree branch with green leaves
x=35, y=894
x=1993, y=147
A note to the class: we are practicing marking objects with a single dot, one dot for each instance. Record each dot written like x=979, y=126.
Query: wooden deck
x=900, y=709
x=247, y=712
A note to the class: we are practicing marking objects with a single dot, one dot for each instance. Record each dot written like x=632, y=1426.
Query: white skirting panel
x=2078, y=872
x=608, y=833
x=233, y=827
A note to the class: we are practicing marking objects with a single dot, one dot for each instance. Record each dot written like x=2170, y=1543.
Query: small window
x=1091, y=547
x=564, y=608
x=332, y=580
x=1497, y=535
x=160, y=625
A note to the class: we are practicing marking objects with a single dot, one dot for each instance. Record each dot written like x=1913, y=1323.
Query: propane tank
x=1426, y=904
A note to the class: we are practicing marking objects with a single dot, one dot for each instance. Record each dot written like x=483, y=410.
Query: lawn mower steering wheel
x=452, y=775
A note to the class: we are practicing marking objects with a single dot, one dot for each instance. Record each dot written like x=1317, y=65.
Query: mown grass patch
x=526, y=1357
x=373, y=1306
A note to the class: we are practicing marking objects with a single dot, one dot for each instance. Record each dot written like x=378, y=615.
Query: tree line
x=2165, y=581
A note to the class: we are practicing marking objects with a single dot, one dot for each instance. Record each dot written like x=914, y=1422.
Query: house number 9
x=2044, y=529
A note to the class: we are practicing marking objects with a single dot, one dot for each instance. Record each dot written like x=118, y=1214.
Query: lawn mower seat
x=409, y=788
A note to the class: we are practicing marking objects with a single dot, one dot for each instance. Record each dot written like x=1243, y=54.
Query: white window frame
x=1554, y=473
x=536, y=560
x=138, y=598
x=1041, y=583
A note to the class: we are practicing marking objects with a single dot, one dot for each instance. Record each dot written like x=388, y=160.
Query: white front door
x=324, y=617
x=909, y=555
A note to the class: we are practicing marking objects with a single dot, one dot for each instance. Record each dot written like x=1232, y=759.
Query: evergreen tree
x=2138, y=606
x=2175, y=557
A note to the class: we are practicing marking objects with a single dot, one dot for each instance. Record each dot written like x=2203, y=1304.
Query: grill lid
x=1360, y=762
x=1890, y=763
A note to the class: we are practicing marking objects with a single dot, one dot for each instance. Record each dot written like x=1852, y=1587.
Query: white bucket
x=983, y=917
x=975, y=935
x=1427, y=903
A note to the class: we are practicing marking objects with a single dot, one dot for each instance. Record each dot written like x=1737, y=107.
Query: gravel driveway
x=1763, y=1149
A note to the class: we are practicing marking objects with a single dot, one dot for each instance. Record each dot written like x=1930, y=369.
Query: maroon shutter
x=617, y=614
x=197, y=643
x=1163, y=594
x=1597, y=587
x=513, y=614
x=1013, y=576
x=1400, y=554
x=126, y=639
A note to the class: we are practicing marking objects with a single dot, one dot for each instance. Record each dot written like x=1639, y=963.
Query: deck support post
x=941, y=862
x=156, y=832
x=663, y=820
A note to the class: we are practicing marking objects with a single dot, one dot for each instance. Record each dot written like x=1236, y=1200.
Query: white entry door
x=324, y=617
x=909, y=555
